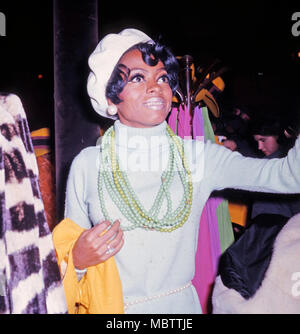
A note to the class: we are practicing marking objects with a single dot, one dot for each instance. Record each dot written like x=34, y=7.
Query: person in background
x=269, y=135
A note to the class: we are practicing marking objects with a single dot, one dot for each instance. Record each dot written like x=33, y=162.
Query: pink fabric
x=208, y=248
x=204, y=271
x=173, y=120
x=212, y=206
x=184, y=122
x=198, y=125
x=212, y=203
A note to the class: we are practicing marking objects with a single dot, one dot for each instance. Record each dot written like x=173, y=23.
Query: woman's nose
x=260, y=145
x=152, y=87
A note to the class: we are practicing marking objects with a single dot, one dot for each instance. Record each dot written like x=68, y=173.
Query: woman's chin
x=146, y=118
x=155, y=117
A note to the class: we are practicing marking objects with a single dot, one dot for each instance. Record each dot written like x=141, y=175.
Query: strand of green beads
x=121, y=192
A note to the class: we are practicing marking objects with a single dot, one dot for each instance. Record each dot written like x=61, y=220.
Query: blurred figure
x=238, y=123
x=235, y=128
x=230, y=144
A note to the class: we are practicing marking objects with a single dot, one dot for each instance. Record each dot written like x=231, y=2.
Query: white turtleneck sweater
x=161, y=264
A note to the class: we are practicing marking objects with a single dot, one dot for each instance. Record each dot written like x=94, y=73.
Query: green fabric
x=208, y=130
x=226, y=235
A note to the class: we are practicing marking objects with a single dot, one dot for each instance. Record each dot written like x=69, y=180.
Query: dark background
x=252, y=38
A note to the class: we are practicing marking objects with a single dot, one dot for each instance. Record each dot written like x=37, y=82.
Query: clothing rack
x=193, y=83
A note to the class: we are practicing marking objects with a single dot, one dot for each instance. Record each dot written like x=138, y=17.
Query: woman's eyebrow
x=137, y=69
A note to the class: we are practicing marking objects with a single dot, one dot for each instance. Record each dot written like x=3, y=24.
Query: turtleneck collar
x=157, y=130
x=125, y=135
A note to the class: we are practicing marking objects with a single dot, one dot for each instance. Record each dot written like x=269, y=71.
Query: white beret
x=103, y=61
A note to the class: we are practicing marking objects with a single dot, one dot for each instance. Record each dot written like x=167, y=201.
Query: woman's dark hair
x=151, y=54
x=266, y=127
x=269, y=126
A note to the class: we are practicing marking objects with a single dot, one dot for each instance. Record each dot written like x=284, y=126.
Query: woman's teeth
x=154, y=103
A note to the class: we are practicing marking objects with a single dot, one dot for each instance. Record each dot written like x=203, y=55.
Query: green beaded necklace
x=119, y=189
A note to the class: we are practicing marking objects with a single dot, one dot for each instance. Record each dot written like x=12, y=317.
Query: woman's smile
x=155, y=103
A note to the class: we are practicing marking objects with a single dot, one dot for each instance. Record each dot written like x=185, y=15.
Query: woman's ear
x=112, y=109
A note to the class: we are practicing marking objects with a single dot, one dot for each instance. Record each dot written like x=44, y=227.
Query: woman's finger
x=93, y=233
x=106, y=236
x=110, y=234
x=118, y=238
x=111, y=251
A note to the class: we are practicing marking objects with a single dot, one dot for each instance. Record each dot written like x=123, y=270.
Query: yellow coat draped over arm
x=99, y=291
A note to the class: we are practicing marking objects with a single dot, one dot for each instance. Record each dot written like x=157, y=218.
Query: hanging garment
x=42, y=148
x=29, y=275
x=215, y=230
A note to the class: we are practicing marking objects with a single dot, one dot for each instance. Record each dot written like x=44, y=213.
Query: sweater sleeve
x=226, y=169
x=76, y=207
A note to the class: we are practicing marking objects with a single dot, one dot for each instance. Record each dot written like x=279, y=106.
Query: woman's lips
x=154, y=103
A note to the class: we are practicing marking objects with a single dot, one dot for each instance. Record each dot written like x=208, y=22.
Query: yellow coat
x=99, y=291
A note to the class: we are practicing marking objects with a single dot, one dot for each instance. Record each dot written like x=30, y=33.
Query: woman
x=269, y=135
x=149, y=184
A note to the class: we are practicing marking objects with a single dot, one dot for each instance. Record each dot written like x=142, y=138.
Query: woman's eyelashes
x=136, y=78
x=164, y=78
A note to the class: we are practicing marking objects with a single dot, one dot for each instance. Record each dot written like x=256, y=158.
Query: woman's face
x=147, y=97
x=267, y=144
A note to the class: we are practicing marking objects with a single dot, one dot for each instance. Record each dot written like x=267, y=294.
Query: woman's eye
x=164, y=78
x=137, y=78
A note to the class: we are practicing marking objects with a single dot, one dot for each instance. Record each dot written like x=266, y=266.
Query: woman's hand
x=97, y=244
